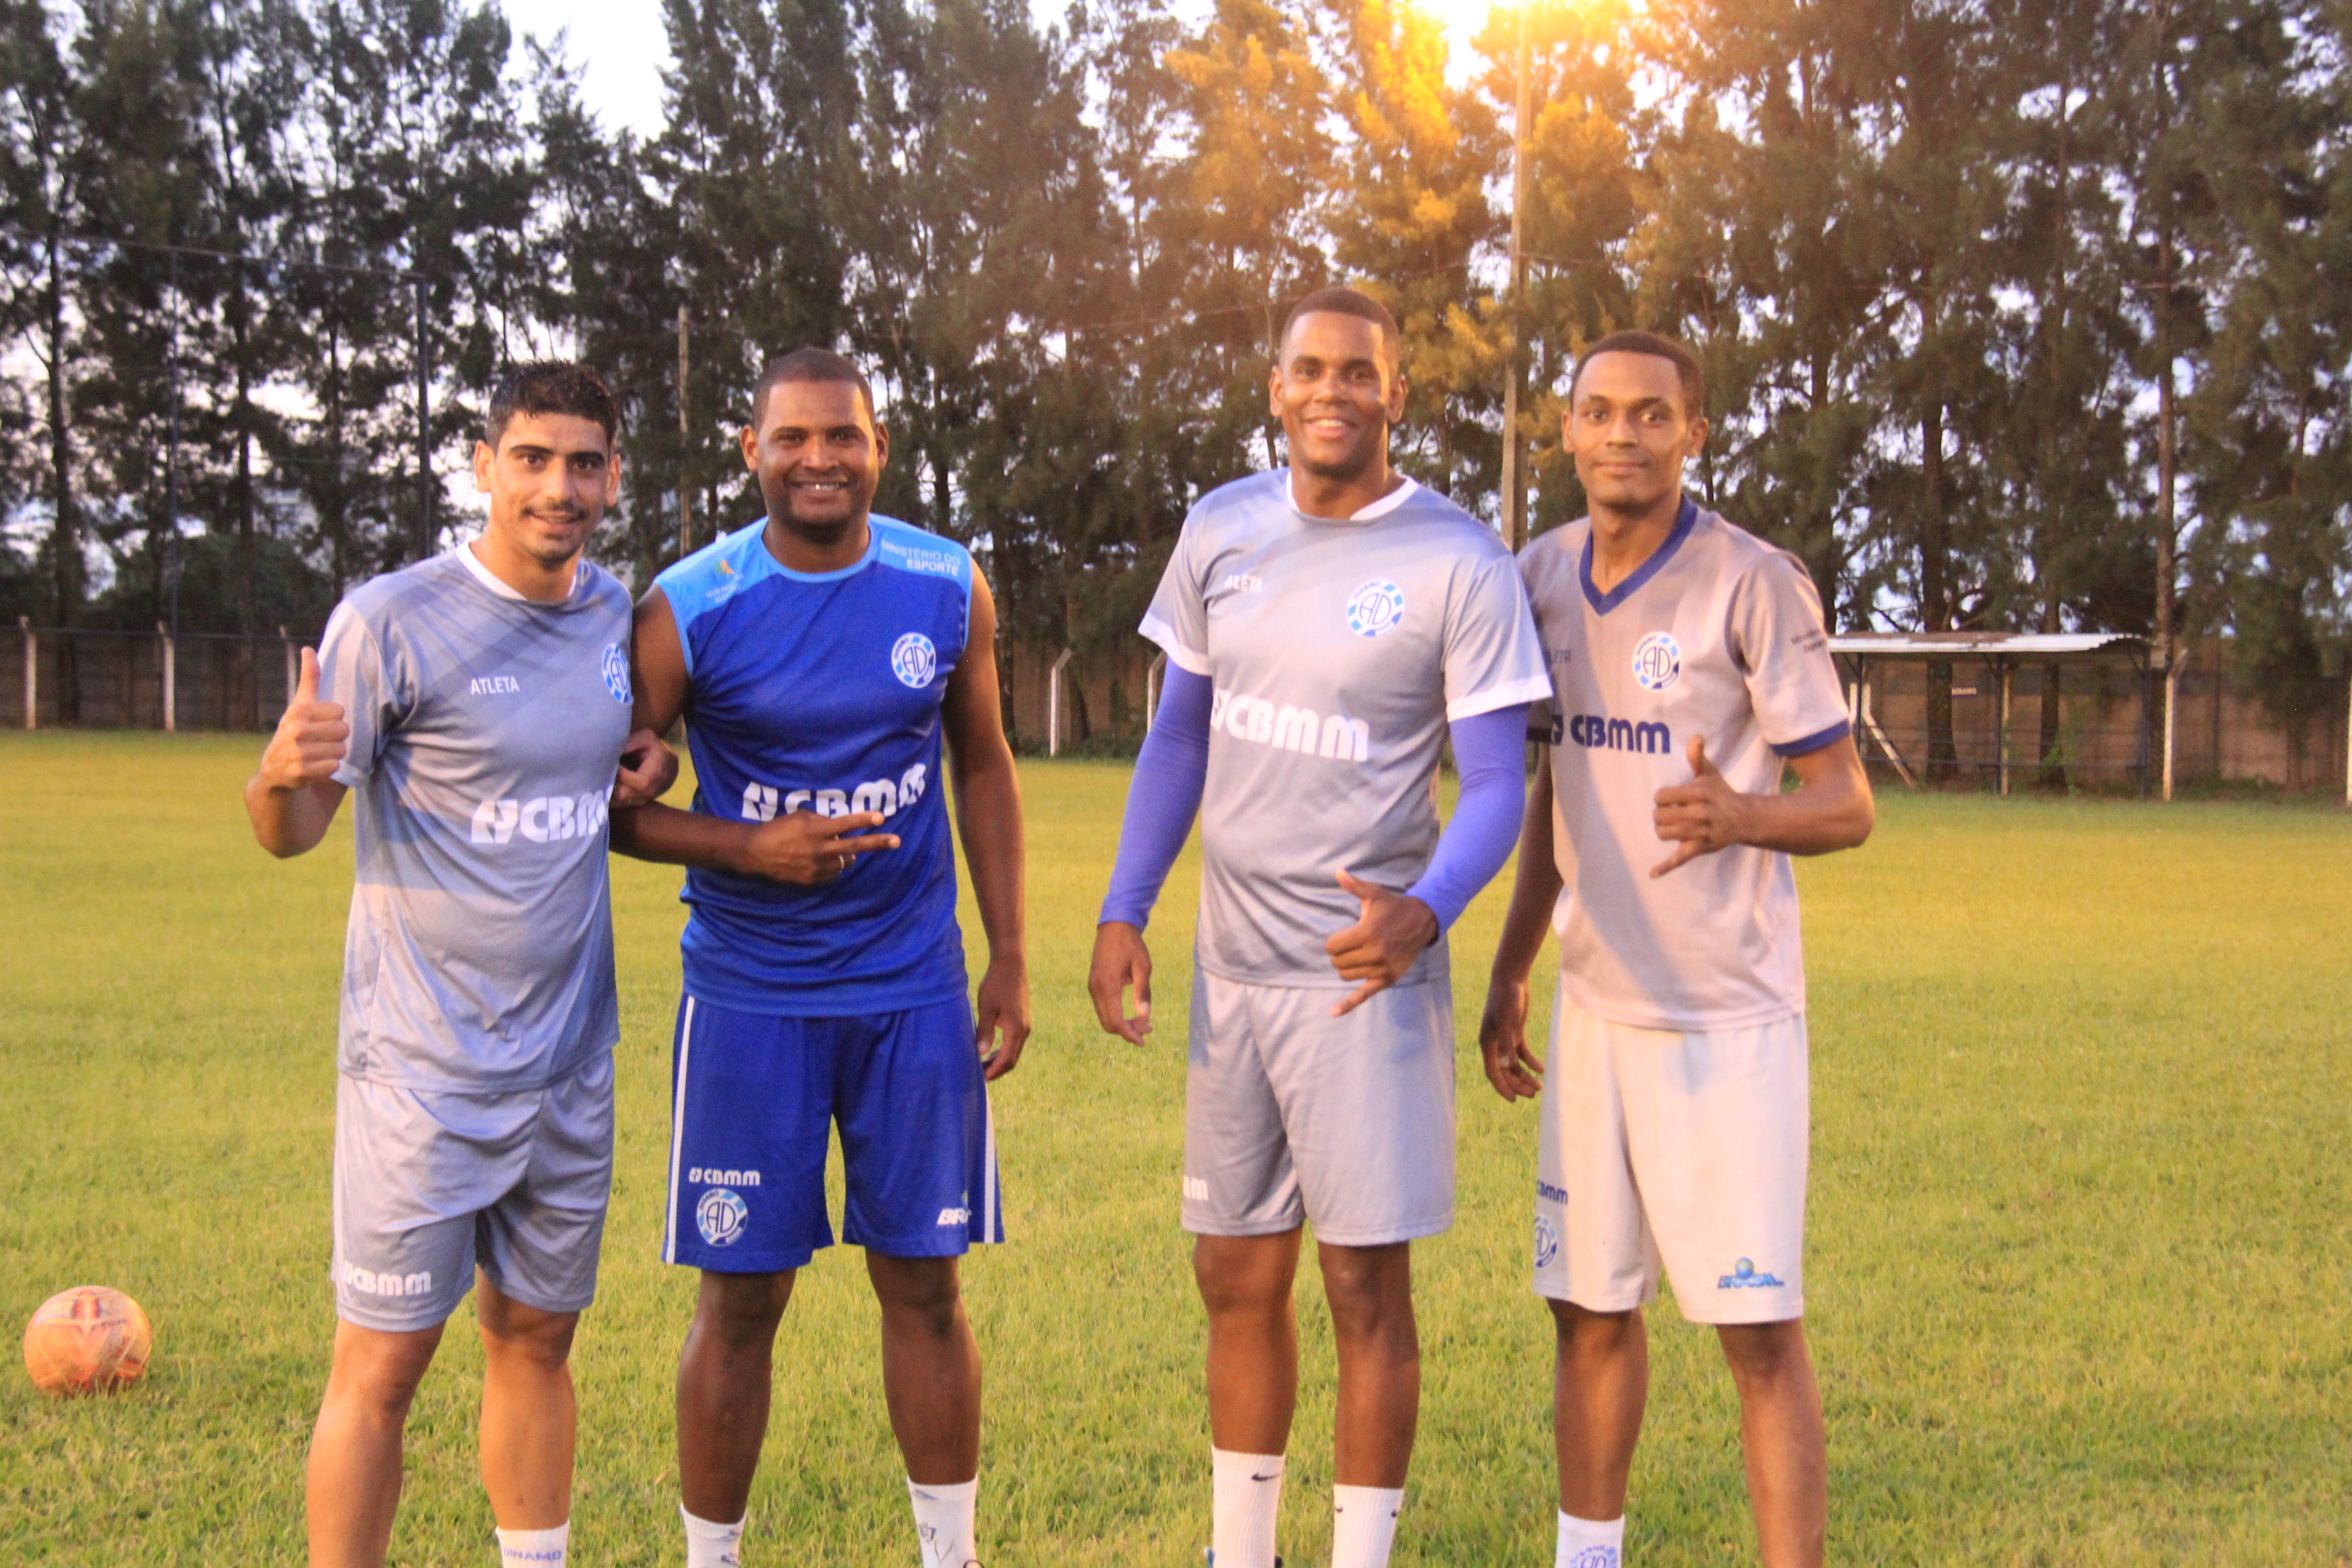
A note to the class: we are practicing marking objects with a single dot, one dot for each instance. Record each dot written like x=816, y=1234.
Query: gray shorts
x=428, y=1184
x=1291, y=1114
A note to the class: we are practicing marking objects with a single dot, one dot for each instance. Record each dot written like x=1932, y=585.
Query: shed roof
x=1983, y=645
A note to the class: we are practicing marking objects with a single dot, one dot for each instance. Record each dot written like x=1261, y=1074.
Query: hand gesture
x=309, y=745
x=1002, y=1017
x=1701, y=816
x=1381, y=945
x=649, y=767
x=1515, y=1070
x=811, y=850
x=1121, y=959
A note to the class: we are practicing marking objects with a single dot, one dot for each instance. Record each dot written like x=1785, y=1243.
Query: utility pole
x=2167, y=539
x=172, y=458
x=423, y=430
x=1514, y=520
x=685, y=494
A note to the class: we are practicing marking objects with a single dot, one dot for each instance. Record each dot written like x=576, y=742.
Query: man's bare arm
x=1829, y=809
x=801, y=847
x=1512, y=1064
x=988, y=820
x=657, y=676
x=292, y=797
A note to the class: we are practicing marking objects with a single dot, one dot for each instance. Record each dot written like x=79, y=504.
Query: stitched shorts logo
x=1376, y=608
x=720, y=1217
x=616, y=671
x=1743, y=1276
x=1547, y=1242
x=1657, y=661
x=913, y=659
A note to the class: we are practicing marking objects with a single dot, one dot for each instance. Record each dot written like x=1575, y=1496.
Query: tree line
x=2016, y=314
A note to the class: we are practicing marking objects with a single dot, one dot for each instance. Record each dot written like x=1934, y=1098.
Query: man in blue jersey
x=819, y=657
x=1328, y=627
x=473, y=705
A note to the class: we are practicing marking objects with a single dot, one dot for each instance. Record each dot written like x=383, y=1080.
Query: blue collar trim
x=1684, y=520
x=873, y=548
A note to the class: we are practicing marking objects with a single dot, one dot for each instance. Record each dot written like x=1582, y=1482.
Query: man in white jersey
x=1690, y=668
x=1329, y=626
x=476, y=704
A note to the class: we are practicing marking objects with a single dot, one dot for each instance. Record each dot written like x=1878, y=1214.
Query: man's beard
x=830, y=531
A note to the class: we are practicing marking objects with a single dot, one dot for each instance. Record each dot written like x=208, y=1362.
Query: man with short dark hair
x=476, y=703
x=1689, y=669
x=1329, y=626
x=823, y=657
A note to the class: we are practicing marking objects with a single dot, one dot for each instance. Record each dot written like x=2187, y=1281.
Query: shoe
x=1211, y=1553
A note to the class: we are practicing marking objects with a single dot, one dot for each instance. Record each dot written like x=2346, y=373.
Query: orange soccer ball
x=87, y=1340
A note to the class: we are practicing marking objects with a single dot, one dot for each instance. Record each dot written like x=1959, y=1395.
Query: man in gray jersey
x=1329, y=626
x=1691, y=672
x=476, y=703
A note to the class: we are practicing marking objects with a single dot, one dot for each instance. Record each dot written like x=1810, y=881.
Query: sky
x=621, y=42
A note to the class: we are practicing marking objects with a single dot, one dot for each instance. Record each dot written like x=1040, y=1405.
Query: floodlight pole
x=1513, y=520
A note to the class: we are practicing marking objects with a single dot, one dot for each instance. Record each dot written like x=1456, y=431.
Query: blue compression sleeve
x=1490, y=752
x=1160, y=804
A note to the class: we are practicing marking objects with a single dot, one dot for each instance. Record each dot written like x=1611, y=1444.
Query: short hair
x=811, y=364
x=539, y=387
x=1657, y=345
x=1340, y=302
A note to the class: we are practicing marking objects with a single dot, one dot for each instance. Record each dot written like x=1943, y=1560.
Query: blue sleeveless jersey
x=821, y=691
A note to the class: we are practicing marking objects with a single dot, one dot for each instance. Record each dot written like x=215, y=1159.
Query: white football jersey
x=1718, y=635
x=1340, y=650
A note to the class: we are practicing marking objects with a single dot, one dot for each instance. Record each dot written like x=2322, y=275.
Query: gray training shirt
x=485, y=733
x=1339, y=650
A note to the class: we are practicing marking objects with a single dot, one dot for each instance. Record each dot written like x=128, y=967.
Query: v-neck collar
x=1684, y=520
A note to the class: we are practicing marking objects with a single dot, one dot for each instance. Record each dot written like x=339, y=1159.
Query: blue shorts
x=753, y=1098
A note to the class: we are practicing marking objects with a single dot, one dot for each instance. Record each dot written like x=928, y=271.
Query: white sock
x=534, y=1548
x=1590, y=1543
x=1363, y=1525
x=1246, y=1493
x=943, y=1518
x=709, y=1545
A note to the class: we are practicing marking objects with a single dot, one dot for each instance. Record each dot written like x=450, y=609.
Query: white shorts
x=428, y=1184
x=1291, y=1114
x=1685, y=1149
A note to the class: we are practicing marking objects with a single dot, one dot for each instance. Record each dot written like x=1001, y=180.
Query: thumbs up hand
x=309, y=745
x=1701, y=816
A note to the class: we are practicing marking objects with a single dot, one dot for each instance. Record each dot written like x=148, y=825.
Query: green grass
x=2079, y=1258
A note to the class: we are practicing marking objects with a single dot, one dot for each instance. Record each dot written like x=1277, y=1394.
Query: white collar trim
x=1381, y=508
x=464, y=551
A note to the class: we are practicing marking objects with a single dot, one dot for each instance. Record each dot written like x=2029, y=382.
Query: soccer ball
x=87, y=1340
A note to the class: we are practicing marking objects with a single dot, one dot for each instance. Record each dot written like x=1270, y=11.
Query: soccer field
x=2079, y=1257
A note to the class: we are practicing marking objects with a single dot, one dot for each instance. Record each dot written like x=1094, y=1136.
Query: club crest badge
x=1376, y=608
x=914, y=660
x=616, y=672
x=1657, y=662
x=1547, y=1242
x=721, y=1217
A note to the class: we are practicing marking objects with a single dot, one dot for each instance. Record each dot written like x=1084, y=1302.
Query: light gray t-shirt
x=484, y=732
x=1337, y=651
x=1718, y=635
